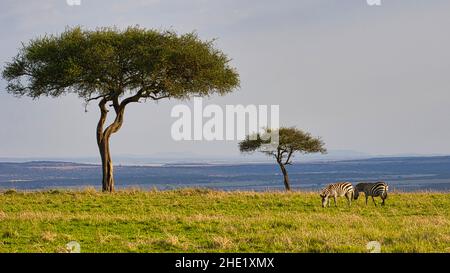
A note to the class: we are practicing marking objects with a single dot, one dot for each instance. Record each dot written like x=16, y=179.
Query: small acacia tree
x=119, y=67
x=290, y=141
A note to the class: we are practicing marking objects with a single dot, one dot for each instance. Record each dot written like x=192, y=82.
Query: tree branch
x=287, y=162
x=101, y=122
x=138, y=96
x=279, y=155
x=95, y=98
x=158, y=98
x=116, y=105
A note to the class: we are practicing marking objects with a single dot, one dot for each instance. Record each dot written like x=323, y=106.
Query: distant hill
x=402, y=173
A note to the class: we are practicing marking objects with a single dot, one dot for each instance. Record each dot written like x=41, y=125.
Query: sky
x=371, y=79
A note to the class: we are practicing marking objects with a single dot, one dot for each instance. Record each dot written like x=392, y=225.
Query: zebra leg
x=373, y=199
x=349, y=198
x=335, y=201
x=382, y=203
x=367, y=198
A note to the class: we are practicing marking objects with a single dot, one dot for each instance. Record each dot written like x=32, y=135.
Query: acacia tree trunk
x=103, y=137
x=107, y=166
x=285, y=176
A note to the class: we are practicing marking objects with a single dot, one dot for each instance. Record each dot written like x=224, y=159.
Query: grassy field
x=193, y=220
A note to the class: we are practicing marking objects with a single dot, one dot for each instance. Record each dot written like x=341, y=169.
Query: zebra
x=372, y=189
x=337, y=190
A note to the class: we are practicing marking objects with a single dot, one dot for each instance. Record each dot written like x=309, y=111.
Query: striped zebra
x=337, y=190
x=372, y=189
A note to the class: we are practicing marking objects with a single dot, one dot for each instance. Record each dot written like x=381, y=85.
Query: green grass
x=195, y=220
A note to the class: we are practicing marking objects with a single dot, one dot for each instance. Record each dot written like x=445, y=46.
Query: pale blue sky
x=369, y=79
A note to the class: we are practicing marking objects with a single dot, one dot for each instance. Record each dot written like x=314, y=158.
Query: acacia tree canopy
x=111, y=63
x=118, y=67
x=290, y=141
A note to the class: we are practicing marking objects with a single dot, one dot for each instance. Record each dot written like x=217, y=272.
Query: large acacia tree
x=290, y=141
x=117, y=68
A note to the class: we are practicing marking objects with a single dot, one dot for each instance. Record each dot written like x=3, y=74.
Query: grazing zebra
x=372, y=189
x=337, y=190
